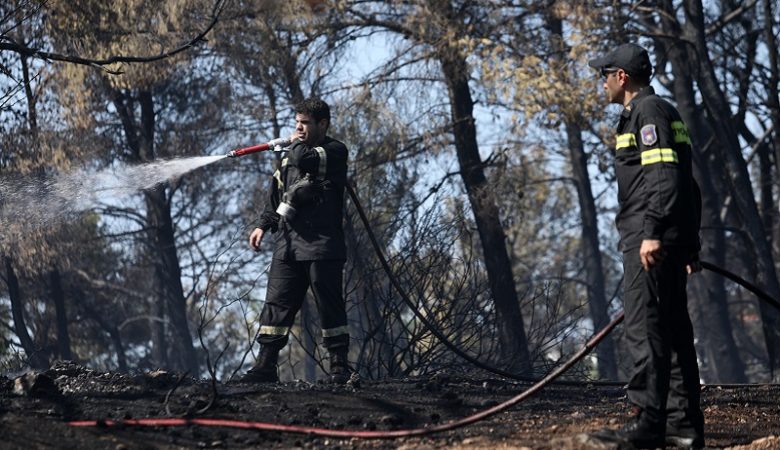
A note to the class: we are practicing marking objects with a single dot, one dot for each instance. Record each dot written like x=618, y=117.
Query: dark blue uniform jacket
x=658, y=197
x=316, y=232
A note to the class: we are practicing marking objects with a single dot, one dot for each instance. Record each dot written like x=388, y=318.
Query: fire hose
x=276, y=145
x=378, y=434
x=391, y=434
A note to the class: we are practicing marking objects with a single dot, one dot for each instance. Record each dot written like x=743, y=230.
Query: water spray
x=277, y=145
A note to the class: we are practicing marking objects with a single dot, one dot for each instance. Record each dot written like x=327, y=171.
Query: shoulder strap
x=323, y=167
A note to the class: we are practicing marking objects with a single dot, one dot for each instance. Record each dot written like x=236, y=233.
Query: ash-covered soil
x=35, y=411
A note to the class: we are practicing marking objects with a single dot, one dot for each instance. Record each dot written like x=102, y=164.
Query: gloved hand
x=694, y=265
x=303, y=192
x=279, y=142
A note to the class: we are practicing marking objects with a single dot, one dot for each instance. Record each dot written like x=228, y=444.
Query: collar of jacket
x=644, y=92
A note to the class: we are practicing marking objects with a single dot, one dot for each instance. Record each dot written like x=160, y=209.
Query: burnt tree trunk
x=58, y=297
x=773, y=103
x=713, y=326
x=163, y=245
x=773, y=84
x=511, y=331
x=589, y=236
x=36, y=357
x=32, y=114
x=591, y=253
x=168, y=274
x=720, y=112
x=161, y=241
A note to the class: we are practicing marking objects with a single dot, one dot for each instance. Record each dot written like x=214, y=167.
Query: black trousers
x=664, y=381
x=288, y=282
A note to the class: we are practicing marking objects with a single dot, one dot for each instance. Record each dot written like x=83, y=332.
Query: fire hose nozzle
x=279, y=142
x=274, y=144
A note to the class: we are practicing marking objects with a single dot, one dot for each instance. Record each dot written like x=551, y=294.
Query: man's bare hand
x=651, y=253
x=255, y=238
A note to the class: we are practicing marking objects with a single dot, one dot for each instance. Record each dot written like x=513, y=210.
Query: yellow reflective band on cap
x=323, y=162
x=274, y=331
x=338, y=331
x=658, y=155
x=680, y=131
x=625, y=140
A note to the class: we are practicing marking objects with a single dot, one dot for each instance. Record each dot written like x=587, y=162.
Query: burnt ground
x=36, y=416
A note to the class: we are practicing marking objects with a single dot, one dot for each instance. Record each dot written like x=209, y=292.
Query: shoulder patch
x=649, y=135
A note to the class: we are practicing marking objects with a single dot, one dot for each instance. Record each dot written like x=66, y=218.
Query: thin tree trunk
x=58, y=297
x=513, y=341
x=161, y=240
x=168, y=274
x=591, y=253
x=589, y=237
x=32, y=114
x=773, y=84
x=36, y=357
x=161, y=233
x=765, y=181
x=773, y=103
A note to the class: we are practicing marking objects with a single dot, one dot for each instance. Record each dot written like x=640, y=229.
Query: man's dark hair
x=314, y=107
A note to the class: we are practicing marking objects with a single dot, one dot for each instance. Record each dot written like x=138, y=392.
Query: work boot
x=684, y=437
x=339, y=366
x=639, y=432
x=265, y=369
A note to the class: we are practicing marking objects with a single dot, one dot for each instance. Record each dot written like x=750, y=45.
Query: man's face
x=614, y=80
x=308, y=130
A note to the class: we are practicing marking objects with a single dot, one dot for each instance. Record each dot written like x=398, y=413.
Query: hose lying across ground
x=391, y=434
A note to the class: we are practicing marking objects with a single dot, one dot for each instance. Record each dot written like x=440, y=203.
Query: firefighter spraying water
x=304, y=210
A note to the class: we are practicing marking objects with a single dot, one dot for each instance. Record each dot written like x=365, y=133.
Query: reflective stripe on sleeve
x=658, y=155
x=625, y=140
x=323, y=169
x=680, y=131
x=278, y=175
x=338, y=331
x=274, y=331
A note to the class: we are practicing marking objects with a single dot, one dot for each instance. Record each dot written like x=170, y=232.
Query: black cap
x=629, y=57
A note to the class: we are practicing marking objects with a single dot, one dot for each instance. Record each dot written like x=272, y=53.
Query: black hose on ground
x=455, y=349
x=391, y=434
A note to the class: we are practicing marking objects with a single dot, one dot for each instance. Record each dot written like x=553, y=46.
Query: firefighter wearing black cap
x=305, y=206
x=658, y=222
